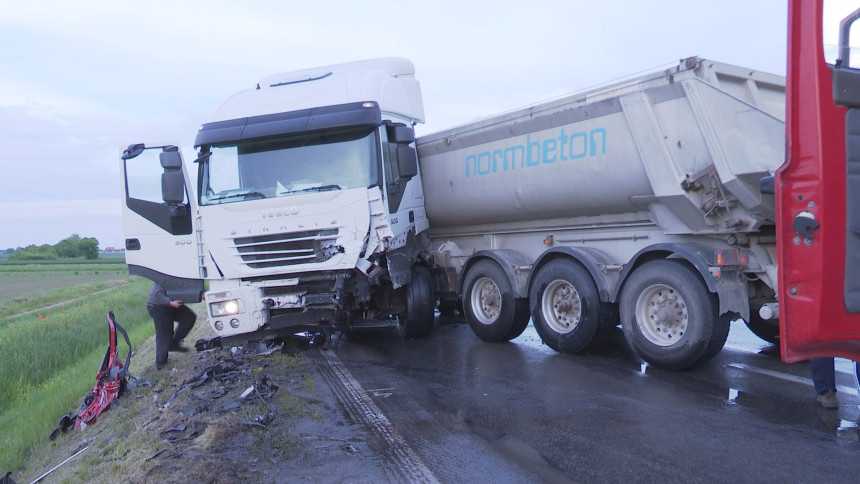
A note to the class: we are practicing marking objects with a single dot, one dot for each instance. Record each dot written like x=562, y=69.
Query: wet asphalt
x=520, y=412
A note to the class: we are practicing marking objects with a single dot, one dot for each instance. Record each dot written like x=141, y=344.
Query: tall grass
x=28, y=422
x=36, y=346
x=48, y=362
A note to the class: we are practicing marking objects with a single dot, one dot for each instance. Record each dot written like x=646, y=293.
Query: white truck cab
x=307, y=210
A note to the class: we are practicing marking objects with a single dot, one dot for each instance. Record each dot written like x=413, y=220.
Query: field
x=32, y=285
x=53, y=334
x=181, y=421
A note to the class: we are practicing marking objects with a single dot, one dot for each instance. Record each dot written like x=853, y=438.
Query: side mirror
x=400, y=134
x=407, y=161
x=172, y=181
x=132, y=151
x=170, y=160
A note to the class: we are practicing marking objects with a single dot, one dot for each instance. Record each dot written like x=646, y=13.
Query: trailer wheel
x=417, y=322
x=565, y=306
x=763, y=328
x=490, y=306
x=669, y=317
x=720, y=333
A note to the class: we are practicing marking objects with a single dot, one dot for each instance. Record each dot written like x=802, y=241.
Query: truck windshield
x=288, y=165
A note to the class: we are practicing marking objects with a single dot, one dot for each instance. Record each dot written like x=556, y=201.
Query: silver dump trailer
x=636, y=202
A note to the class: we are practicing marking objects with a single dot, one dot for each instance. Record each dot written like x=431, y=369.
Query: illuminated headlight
x=224, y=308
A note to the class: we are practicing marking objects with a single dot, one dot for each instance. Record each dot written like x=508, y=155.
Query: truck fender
x=516, y=267
x=603, y=271
x=731, y=288
x=402, y=259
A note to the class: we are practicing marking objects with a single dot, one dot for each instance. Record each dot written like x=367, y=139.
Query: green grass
x=102, y=260
x=24, y=287
x=28, y=422
x=35, y=346
x=49, y=358
x=48, y=297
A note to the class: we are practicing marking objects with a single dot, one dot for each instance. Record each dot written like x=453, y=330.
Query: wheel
x=720, y=334
x=763, y=328
x=565, y=306
x=417, y=322
x=669, y=317
x=490, y=307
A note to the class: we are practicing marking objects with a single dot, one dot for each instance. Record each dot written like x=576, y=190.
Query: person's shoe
x=828, y=399
x=178, y=348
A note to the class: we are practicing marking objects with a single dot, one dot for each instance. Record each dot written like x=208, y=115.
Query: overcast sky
x=79, y=80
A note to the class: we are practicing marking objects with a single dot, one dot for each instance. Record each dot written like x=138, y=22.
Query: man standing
x=164, y=312
x=824, y=380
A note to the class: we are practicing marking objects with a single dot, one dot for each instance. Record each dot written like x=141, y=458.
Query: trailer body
x=639, y=199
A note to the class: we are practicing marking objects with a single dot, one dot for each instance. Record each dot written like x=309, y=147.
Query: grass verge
x=31, y=417
x=49, y=360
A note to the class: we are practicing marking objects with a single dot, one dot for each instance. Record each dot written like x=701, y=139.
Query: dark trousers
x=823, y=374
x=165, y=336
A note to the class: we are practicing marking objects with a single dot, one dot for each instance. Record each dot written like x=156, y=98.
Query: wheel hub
x=561, y=306
x=487, y=300
x=662, y=315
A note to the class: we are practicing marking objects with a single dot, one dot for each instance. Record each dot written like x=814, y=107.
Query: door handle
x=804, y=224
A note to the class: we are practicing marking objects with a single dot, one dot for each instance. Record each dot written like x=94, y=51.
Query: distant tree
x=89, y=248
x=32, y=252
x=68, y=248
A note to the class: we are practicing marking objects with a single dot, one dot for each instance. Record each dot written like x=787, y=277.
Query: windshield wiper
x=244, y=195
x=321, y=188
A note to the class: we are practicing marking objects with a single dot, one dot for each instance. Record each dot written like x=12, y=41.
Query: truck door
x=159, y=220
x=818, y=191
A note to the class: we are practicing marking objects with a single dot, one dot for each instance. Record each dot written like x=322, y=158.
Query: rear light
x=732, y=257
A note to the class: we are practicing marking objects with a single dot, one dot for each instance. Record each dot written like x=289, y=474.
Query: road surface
x=452, y=408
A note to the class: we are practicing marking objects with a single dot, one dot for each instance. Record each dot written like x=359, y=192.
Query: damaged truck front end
x=298, y=225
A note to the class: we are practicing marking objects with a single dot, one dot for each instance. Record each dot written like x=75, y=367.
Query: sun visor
x=325, y=117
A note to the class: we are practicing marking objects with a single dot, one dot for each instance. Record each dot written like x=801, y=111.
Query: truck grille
x=287, y=249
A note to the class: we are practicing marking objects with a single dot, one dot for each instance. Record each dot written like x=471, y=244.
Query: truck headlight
x=224, y=308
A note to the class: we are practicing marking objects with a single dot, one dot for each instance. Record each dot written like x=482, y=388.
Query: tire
x=566, y=308
x=493, y=312
x=763, y=328
x=669, y=317
x=720, y=334
x=418, y=320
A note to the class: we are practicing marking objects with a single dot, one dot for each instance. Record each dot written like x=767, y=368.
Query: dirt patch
x=220, y=416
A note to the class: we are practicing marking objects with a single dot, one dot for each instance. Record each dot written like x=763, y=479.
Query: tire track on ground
x=361, y=408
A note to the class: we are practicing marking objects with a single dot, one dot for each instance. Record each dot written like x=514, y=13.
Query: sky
x=81, y=80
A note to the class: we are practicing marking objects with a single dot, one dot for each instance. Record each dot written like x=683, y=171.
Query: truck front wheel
x=669, y=317
x=492, y=310
x=565, y=307
x=419, y=317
